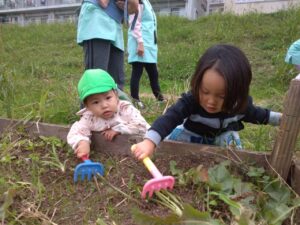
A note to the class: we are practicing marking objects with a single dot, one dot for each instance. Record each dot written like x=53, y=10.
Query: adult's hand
x=103, y=3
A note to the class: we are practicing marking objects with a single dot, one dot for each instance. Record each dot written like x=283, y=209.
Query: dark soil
x=44, y=194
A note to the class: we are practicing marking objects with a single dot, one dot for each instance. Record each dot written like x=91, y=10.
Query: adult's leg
x=136, y=74
x=96, y=54
x=152, y=72
x=116, y=66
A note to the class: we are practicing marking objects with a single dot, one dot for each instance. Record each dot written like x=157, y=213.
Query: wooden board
x=122, y=143
x=284, y=147
x=295, y=173
x=35, y=128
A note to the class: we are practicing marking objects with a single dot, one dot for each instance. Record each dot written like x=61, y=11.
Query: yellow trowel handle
x=149, y=165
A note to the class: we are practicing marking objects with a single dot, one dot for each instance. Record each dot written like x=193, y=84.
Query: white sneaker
x=139, y=104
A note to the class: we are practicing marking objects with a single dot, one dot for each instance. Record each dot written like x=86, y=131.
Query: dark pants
x=136, y=74
x=99, y=53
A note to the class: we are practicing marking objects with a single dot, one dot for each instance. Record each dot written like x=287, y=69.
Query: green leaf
x=278, y=192
x=255, y=172
x=198, y=222
x=142, y=218
x=286, y=211
x=177, y=172
x=8, y=200
x=247, y=217
x=220, y=178
x=213, y=203
x=275, y=213
x=241, y=187
x=249, y=202
x=296, y=201
x=235, y=207
x=99, y=221
x=193, y=216
x=189, y=212
x=173, y=169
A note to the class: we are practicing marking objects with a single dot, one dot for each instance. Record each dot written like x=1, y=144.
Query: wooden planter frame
x=282, y=160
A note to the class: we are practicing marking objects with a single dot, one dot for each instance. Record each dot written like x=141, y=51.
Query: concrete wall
x=193, y=9
x=262, y=6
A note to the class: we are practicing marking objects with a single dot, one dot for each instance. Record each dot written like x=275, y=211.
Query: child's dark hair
x=232, y=64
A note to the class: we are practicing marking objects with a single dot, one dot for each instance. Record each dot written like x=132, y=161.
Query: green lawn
x=40, y=65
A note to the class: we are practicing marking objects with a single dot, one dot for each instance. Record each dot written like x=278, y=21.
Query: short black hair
x=232, y=64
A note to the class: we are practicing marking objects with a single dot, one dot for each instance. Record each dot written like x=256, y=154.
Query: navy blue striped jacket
x=194, y=118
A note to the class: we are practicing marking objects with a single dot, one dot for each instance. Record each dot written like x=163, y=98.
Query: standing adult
x=142, y=51
x=293, y=54
x=101, y=35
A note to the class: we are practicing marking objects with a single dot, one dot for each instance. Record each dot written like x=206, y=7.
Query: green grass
x=40, y=65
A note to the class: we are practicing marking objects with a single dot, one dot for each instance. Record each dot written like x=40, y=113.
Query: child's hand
x=143, y=149
x=140, y=49
x=103, y=3
x=109, y=134
x=120, y=4
x=83, y=149
x=133, y=6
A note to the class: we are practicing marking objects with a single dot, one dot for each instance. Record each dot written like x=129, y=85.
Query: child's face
x=103, y=105
x=212, y=91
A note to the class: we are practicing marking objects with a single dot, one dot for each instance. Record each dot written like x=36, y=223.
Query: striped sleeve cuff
x=275, y=118
x=153, y=136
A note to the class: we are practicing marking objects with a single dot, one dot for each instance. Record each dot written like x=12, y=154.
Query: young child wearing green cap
x=103, y=112
x=293, y=55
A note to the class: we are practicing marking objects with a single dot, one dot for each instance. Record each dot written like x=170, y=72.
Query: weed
x=7, y=90
x=54, y=158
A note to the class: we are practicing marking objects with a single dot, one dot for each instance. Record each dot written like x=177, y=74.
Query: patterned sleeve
x=131, y=121
x=137, y=31
x=80, y=130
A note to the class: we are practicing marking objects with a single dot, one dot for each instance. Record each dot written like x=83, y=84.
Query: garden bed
x=213, y=185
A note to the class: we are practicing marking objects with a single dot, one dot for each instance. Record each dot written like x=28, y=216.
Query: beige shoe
x=138, y=104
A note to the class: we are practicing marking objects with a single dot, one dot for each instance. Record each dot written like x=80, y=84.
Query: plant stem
x=119, y=190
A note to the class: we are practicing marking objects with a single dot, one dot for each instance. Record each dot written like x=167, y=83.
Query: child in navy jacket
x=214, y=109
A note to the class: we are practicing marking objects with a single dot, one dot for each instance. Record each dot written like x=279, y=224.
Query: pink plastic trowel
x=158, y=181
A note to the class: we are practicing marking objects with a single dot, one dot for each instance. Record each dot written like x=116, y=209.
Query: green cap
x=95, y=81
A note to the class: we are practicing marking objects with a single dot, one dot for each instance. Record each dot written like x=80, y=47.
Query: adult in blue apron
x=293, y=54
x=101, y=35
